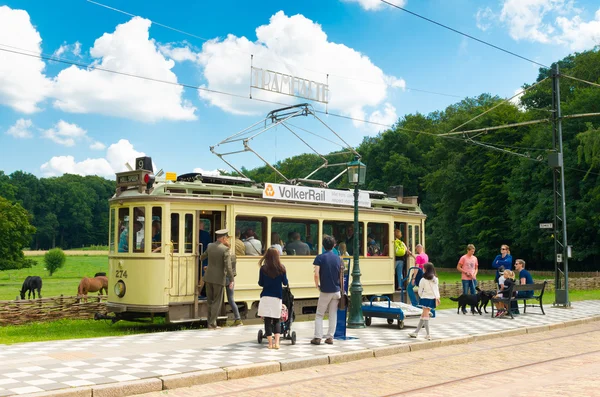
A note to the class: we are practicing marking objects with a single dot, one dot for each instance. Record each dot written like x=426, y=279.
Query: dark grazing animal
x=100, y=274
x=31, y=284
x=484, y=299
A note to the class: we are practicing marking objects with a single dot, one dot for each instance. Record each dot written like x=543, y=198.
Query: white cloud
x=117, y=155
x=178, y=54
x=75, y=49
x=59, y=165
x=375, y=5
x=216, y=172
x=23, y=84
x=21, y=129
x=387, y=117
x=64, y=133
x=550, y=22
x=484, y=18
x=120, y=153
x=97, y=146
x=579, y=35
x=296, y=46
x=517, y=100
x=130, y=50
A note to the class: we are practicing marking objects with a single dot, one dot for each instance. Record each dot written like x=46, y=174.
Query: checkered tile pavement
x=42, y=366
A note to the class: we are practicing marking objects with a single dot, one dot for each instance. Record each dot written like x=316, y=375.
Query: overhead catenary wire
x=464, y=34
x=271, y=58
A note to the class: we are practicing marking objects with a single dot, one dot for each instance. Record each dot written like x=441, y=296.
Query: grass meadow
x=65, y=282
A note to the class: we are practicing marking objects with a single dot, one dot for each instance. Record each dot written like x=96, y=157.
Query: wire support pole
x=561, y=260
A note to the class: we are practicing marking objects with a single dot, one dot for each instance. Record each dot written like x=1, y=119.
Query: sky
x=379, y=62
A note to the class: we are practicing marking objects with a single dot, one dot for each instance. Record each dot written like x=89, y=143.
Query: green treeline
x=69, y=211
x=471, y=193
x=487, y=197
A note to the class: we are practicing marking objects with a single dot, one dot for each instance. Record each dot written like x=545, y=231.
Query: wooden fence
x=19, y=312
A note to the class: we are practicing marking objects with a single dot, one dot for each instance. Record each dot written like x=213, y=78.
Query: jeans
x=234, y=308
x=327, y=301
x=469, y=286
x=399, y=267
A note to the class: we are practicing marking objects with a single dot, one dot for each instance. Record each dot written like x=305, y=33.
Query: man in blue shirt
x=328, y=266
x=524, y=278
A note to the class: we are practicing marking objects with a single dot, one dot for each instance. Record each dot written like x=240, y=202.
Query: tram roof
x=196, y=185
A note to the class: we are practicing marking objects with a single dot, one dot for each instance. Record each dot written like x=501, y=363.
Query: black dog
x=464, y=300
x=484, y=299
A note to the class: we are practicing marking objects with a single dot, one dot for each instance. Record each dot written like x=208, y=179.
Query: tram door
x=208, y=223
x=184, y=257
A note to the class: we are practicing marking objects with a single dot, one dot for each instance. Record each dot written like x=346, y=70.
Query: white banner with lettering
x=314, y=195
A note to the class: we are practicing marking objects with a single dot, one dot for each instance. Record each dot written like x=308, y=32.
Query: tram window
x=289, y=230
x=111, y=235
x=156, y=229
x=344, y=232
x=175, y=232
x=189, y=233
x=139, y=227
x=123, y=230
x=378, y=239
x=253, y=232
x=417, y=235
x=410, y=239
x=402, y=227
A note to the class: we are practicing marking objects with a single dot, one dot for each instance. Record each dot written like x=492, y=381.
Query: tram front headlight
x=120, y=288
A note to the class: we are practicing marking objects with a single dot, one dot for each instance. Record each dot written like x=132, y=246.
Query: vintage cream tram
x=157, y=224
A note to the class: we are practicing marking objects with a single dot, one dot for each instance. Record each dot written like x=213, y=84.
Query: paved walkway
x=43, y=366
x=562, y=362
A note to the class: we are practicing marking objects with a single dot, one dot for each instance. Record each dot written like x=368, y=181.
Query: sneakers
x=213, y=327
x=413, y=334
x=500, y=313
x=315, y=341
x=237, y=323
x=329, y=341
x=428, y=337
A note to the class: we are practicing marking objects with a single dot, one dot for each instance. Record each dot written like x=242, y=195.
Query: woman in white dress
x=272, y=277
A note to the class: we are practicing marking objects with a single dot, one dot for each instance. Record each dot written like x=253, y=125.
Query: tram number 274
x=121, y=274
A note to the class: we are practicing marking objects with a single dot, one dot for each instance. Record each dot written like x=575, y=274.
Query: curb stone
x=74, y=392
x=128, y=388
x=390, y=350
x=193, y=378
x=350, y=356
x=256, y=369
x=303, y=362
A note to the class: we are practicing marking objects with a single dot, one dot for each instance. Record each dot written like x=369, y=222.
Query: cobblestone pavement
x=44, y=366
x=563, y=362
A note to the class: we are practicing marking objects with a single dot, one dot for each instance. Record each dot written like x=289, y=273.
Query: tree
x=15, y=234
x=54, y=260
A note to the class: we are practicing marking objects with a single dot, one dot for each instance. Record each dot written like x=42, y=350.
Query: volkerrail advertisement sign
x=314, y=195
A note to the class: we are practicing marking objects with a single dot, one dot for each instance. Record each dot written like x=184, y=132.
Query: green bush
x=54, y=260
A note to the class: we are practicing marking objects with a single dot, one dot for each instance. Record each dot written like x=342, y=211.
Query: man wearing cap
x=219, y=267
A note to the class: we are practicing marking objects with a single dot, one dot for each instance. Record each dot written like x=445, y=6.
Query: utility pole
x=555, y=161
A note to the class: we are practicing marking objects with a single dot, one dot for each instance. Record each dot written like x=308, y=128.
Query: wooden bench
x=536, y=298
x=514, y=290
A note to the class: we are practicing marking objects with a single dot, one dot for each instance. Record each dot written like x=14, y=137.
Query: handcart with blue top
x=390, y=310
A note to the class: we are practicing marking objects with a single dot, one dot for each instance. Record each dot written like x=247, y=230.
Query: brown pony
x=92, y=285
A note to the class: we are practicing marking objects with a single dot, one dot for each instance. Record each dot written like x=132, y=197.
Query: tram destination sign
x=269, y=80
x=314, y=195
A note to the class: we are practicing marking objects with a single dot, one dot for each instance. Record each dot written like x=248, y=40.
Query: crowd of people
x=219, y=260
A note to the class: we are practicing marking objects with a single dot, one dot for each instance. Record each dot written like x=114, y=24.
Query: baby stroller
x=287, y=318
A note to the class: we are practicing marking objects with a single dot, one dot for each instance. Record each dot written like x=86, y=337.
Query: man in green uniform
x=219, y=267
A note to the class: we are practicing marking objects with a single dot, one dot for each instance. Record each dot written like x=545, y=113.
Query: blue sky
x=57, y=118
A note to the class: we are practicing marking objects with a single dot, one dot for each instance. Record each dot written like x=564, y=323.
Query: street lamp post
x=356, y=177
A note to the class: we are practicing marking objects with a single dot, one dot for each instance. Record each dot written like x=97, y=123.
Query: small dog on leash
x=484, y=298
